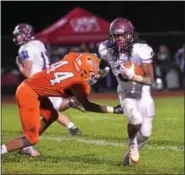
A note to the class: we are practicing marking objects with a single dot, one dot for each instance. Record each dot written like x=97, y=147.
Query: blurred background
x=81, y=26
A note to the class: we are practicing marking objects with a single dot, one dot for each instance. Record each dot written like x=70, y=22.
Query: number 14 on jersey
x=59, y=76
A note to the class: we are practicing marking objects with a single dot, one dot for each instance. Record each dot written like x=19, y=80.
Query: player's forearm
x=24, y=71
x=24, y=67
x=144, y=80
x=93, y=107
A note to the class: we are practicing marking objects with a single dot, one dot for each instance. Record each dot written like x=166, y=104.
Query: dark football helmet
x=121, y=34
x=23, y=33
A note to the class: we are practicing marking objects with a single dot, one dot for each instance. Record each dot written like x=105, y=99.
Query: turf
x=100, y=148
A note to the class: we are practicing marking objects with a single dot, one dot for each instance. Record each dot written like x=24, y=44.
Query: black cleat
x=126, y=159
x=75, y=131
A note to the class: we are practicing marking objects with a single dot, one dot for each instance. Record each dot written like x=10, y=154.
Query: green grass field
x=99, y=150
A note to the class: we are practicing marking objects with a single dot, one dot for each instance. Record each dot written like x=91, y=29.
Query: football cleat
x=134, y=153
x=75, y=131
x=31, y=151
x=126, y=159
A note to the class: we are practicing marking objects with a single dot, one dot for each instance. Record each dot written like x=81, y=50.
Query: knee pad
x=133, y=115
x=146, y=128
x=146, y=132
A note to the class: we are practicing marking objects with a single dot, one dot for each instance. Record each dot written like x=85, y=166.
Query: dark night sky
x=146, y=16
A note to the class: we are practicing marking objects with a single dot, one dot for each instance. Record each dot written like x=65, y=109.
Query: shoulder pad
x=144, y=51
x=26, y=51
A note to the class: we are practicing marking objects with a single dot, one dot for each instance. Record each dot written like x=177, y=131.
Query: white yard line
x=118, y=118
x=104, y=143
x=168, y=118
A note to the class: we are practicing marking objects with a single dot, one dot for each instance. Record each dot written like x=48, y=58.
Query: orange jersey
x=59, y=78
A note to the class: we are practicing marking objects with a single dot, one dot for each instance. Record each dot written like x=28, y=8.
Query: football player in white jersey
x=32, y=58
x=133, y=90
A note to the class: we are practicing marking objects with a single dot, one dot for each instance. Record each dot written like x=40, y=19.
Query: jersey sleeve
x=145, y=52
x=26, y=53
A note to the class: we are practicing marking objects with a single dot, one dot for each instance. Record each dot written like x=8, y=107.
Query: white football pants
x=139, y=108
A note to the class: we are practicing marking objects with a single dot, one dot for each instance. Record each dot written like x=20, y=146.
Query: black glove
x=118, y=109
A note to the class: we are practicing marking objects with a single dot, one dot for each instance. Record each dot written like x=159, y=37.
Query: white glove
x=104, y=72
x=129, y=72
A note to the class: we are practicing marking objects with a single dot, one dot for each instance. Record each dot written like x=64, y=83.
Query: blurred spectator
x=55, y=55
x=93, y=48
x=163, y=63
x=75, y=48
x=10, y=79
x=179, y=58
x=57, y=52
x=63, y=50
x=163, y=54
x=84, y=48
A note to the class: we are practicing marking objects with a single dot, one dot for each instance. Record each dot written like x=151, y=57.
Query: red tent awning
x=77, y=27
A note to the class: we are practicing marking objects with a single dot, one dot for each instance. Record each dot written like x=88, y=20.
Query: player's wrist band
x=138, y=78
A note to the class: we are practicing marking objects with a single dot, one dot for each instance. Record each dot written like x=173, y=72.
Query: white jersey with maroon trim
x=35, y=51
x=140, y=54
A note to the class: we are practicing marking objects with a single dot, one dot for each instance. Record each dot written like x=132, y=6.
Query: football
x=137, y=69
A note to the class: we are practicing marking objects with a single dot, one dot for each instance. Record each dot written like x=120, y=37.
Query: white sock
x=3, y=149
x=70, y=125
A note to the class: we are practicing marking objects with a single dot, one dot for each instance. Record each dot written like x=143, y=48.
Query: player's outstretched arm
x=81, y=96
x=148, y=74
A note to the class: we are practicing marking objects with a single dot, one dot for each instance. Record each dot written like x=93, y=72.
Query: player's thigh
x=129, y=104
x=147, y=105
x=29, y=111
x=47, y=110
x=147, y=108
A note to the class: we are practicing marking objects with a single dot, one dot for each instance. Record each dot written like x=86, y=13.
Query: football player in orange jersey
x=71, y=76
x=33, y=58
